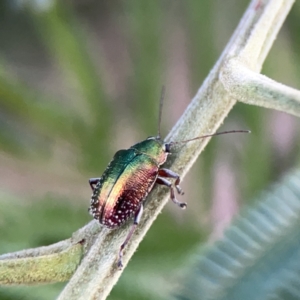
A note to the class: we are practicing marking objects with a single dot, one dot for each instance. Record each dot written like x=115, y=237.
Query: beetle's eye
x=167, y=148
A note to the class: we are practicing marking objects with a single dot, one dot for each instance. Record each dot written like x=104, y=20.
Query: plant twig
x=239, y=74
x=40, y=251
x=253, y=88
x=34, y=266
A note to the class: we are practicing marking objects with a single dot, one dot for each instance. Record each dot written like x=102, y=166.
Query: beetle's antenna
x=161, y=100
x=209, y=135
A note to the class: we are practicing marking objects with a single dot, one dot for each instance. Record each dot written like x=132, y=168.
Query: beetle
x=119, y=194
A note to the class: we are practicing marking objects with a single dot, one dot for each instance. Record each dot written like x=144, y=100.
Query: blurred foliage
x=81, y=79
x=259, y=255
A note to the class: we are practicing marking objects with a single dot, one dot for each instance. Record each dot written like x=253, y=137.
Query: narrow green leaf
x=259, y=255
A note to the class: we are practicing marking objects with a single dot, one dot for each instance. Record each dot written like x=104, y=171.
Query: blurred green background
x=81, y=79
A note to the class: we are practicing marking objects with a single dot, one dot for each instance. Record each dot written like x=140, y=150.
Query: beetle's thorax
x=153, y=147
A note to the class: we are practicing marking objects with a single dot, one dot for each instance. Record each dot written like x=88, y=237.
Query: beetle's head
x=154, y=147
x=165, y=146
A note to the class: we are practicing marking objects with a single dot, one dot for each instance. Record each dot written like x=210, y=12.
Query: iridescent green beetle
x=120, y=193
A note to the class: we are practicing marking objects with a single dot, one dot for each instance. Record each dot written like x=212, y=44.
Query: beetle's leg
x=170, y=174
x=164, y=181
x=137, y=218
x=93, y=182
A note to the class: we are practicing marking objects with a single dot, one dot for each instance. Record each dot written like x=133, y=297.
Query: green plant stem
x=40, y=266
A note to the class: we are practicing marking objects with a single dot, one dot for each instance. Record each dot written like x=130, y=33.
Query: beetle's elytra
x=120, y=192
